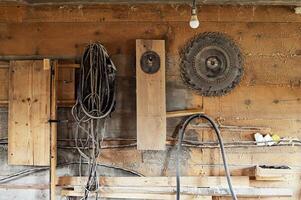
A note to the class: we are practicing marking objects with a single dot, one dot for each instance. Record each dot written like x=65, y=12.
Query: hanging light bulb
x=194, y=21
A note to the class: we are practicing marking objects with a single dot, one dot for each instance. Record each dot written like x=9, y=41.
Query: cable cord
x=218, y=134
x=30, y=171
x=95, y=101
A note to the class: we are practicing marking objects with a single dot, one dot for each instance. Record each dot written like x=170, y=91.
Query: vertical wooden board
x=151, y=103
x=53, y=134
x=29, y=110
x=40, y=112
x=20, y=145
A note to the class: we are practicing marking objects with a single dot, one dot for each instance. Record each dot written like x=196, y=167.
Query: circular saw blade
x=211, y=64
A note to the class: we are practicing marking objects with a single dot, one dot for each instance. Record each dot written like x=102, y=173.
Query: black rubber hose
x=219, y=137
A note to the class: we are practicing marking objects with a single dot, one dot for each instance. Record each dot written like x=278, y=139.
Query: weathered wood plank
x=183, y=113
x=256, y=102
x=214, y=191
x=137, y=195
x=53, y=130
x=151, y=103
x=269, y=174
x=205, y=181
x=200, y=161
x=29, y=112
x=20, y=151
x=254, y=38
x=39, y=113
x=144, y=13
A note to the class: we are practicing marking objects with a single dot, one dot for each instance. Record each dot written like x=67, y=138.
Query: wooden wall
x=269, y=95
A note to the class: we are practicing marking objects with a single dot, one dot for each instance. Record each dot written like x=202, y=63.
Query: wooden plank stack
x=164, y=187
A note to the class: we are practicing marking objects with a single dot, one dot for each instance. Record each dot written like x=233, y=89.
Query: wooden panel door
x=29, y=112
x=151, y=103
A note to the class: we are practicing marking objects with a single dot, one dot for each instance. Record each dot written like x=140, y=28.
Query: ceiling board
x=205, y=2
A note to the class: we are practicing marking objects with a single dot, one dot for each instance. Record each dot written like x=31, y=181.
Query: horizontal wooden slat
x=256, y=102
x=24, y=186
x=254, y=38
x=143, y=13
x=182, y=113
x=242, y=181
x=215, y=191
x=270, y=174
x=137, y=196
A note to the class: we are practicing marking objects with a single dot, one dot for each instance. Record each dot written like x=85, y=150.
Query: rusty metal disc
x=212, y=64
x=150, y=62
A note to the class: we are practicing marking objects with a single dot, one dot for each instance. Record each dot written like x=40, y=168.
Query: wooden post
x=53, y=135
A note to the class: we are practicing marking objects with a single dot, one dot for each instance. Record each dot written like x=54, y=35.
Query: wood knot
x=248, y=102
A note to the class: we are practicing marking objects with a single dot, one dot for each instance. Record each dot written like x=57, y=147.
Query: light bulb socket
x=193, y=11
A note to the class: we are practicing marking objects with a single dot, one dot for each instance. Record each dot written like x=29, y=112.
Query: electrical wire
x=27, y=172
x=180, y=139
x=95, y=101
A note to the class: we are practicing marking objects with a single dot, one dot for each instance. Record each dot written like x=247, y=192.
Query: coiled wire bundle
x=95, y=101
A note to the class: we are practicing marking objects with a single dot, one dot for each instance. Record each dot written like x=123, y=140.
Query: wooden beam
x=182, y=113
x=69, y=65
x=203, y=181
x=53, y=136
x=137, y=196
x=24, y=186
x=203, y=2
x=214, y=191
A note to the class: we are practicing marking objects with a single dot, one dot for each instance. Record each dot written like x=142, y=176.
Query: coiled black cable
x=219, y=137
x=95, y=101
x=96, y=91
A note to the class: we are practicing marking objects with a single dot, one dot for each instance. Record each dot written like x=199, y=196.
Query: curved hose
x=219, y=137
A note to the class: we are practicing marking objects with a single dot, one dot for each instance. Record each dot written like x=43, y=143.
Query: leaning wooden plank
x=206, y=181
x=202, y=191
x=137, y=196
x=28, y=131
x=182, y=113
x=151, y=103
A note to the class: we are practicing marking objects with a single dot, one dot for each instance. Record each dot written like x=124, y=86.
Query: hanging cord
x=95, y=101
x=30, y=171
x=218, y=134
